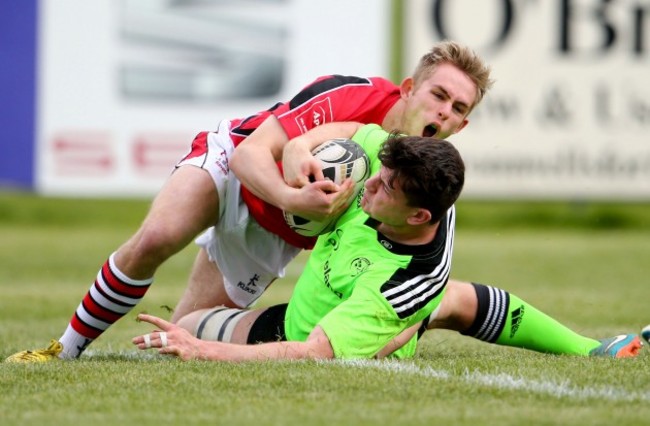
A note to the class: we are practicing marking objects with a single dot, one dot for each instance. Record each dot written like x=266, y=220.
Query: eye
x=460, y=109
x=386, y=187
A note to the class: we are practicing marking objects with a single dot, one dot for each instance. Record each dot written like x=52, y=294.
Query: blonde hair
x=463, y=58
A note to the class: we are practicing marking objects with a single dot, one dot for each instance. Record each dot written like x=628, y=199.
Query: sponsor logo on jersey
x=326, y=279
x=387, y=245
x=222, y=163
x=318, y=113
x=517, y=316
x=334, y=239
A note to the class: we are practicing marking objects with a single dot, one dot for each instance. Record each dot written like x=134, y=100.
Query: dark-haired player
x=382, y=270
x=448, y=82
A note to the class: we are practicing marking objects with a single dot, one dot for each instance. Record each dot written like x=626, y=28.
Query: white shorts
x=249, y=257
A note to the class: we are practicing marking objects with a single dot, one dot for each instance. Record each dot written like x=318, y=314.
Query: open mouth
x=430, y=131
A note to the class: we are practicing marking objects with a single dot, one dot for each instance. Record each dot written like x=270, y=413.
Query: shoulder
x=336, y=82
x=383, y=83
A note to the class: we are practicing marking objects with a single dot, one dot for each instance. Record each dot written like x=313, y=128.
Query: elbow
x=236, y=160
x=319, y=345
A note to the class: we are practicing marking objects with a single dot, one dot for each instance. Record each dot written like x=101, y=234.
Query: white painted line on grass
x=504, y=381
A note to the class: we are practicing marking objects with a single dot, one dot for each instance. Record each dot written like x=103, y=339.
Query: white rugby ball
x=342, y=158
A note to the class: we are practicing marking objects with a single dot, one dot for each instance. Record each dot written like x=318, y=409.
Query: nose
x=445, y=110
x=371, y=183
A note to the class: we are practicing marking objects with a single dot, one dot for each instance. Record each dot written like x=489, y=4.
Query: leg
x=241, y=326
x=457, y=309
x=238, y=260
x=457, y=312
x=205, y=289
x=187, y=204
x=496, y=316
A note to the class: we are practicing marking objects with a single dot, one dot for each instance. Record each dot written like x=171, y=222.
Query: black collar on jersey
x=429, y=249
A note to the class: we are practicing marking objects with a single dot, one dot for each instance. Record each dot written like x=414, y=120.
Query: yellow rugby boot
x=51, y=353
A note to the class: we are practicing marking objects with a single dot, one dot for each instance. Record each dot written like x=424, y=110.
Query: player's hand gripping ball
x=342, y=159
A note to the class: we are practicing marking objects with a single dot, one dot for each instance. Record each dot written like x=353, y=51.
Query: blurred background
x=101, y=98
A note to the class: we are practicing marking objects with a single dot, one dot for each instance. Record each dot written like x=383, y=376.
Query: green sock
x=505, y=319
x=528, y=327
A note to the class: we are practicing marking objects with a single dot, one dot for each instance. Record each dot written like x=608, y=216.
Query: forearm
x=257, y=171
x=399, y=341
x=179, y=342
x=254, y=162
x=219, y=351
x=317, y=346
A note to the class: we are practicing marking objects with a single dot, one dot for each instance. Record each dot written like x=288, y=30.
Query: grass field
x=585, y=264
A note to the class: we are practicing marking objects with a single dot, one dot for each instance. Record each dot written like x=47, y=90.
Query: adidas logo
x=517, y=316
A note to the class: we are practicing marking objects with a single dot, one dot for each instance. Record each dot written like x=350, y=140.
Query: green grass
x=584, y=264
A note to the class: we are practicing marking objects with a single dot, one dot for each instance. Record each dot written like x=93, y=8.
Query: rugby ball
x=341, y=158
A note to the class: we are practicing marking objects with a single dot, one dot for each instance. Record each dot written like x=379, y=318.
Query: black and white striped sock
x=491, y=314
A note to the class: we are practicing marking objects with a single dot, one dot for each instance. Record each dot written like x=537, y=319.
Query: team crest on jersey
x=318, y=113
x=359, y=266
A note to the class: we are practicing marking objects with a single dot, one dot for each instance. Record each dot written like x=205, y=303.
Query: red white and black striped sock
x=111, y=296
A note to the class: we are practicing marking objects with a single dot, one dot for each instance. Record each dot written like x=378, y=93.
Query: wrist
x=286, y=198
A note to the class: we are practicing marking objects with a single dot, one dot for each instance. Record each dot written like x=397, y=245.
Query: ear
x=419, y=217
x=406, y=87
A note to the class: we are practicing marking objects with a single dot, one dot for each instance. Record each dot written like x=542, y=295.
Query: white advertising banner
x=125, y=85
x=569, y=115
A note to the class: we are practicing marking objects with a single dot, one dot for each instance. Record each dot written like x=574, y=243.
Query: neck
x=392, y=120
x=410, y=235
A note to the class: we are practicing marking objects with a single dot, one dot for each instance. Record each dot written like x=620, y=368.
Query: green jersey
x=364, y=289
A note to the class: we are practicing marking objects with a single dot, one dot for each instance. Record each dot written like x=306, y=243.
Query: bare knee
x=158, y=242
x=457, y=308
x=145, y=251
x=187, y=204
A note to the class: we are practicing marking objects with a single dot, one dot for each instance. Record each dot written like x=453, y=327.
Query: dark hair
x=430, y=171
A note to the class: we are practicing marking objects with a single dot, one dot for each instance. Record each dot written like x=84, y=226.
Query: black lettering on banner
x=569, y=15
x=439, y=21
x=600, y=15
x=554, y=108
x=615, y=23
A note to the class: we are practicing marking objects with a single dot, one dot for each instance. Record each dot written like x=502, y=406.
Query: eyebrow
x=384, y=182
x=442, y=89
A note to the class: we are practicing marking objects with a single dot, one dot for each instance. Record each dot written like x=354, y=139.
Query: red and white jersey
x=328, y=99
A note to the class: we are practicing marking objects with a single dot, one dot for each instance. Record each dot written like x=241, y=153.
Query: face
x=384, y=203
x=439, y=105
